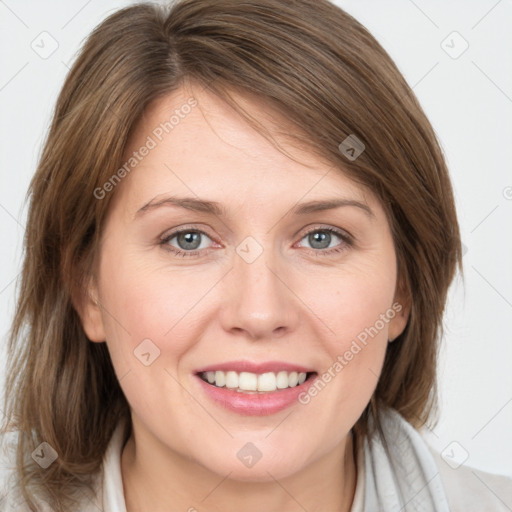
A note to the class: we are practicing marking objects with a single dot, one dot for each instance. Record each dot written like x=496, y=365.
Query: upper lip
x=252, y=367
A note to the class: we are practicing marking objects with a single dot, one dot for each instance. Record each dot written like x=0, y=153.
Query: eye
x=189, y=242
x=320, y=240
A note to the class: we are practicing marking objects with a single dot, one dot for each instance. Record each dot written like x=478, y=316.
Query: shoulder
x=11, y=496
x=468, y=489
x=420, y=474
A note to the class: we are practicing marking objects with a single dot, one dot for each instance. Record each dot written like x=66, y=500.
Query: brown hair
x=309, y=60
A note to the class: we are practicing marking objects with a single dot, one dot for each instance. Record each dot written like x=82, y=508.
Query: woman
x=240, y=240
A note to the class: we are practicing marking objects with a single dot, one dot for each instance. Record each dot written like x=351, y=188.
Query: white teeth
x=247, y=381
x=267, y=382
x=231, y=380
x=282, y=380
x=220, y=379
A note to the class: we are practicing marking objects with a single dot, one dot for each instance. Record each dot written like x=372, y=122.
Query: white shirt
x=411, y=478
x=465, y=489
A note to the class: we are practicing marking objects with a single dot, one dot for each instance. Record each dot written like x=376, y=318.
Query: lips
x=249, y=366
x=252, y=388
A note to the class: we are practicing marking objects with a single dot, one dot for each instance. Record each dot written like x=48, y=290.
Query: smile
x=253, y=382
x=254, y=389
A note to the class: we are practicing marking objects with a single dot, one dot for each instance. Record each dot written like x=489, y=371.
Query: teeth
x=282, y=380
x=267, y=382
x=247, y=381
x=231, y=380
x=220, y=379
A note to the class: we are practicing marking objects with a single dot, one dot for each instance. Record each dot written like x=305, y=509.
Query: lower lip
x=255, y=404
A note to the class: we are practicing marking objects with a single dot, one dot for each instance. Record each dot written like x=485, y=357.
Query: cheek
x=360, y=319
x=143, y=303
x=357, y=308
x=359, y=315
x=354, y=304
x=148, y=330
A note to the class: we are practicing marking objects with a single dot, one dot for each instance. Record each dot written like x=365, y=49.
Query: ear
x=402, y=302
x=89, y=309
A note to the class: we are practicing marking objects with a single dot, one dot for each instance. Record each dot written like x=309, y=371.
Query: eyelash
x=348, y=242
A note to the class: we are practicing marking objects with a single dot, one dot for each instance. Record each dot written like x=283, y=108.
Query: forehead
x=193, y=143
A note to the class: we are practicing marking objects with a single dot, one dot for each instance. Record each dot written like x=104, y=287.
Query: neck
x=156, y=480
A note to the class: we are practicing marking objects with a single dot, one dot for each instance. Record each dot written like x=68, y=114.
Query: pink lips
x=248, y=366
x=254, y=404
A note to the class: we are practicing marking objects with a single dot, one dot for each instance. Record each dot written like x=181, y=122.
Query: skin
x=293, y=303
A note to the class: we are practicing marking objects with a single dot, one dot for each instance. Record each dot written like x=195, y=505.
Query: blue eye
x=321, y=238
x=189, y=240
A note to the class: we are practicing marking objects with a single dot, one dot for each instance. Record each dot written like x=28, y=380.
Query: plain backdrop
x=456, y=57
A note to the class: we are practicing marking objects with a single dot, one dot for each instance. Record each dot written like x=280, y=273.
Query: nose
x=259, y=302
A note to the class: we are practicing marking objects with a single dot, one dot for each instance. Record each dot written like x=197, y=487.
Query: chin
x=243, y=468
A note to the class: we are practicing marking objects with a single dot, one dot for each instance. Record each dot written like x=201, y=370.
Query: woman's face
x=262, y=282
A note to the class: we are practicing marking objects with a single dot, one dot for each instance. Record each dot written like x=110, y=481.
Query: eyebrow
x=215, y=208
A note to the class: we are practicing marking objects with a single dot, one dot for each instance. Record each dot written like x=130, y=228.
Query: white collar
x=386, y=480
x=112, y=491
